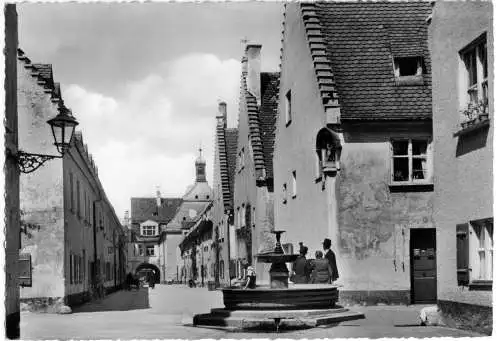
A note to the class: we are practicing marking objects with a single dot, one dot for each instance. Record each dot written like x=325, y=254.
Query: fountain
x=279, y=304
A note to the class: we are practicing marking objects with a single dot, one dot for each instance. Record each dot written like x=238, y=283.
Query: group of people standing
x=322, y=269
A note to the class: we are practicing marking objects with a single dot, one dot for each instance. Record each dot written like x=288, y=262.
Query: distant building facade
x=222, y=212
x=353, y=149
x=461, y=44
x=149, y=219
x=253, y=177
x=70, y=230
x=193, y=245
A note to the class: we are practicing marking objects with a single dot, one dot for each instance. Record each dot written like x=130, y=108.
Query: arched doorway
x=147, y=270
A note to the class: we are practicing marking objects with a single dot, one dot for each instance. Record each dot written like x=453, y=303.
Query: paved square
x=164, y=312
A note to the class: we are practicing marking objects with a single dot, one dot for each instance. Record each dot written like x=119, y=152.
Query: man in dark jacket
x=327, y=244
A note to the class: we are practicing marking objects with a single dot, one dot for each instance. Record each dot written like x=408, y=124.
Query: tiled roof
x=144, y=208
x=267, y=117
x=361, y=40
x=231, y=145
x=45, y=71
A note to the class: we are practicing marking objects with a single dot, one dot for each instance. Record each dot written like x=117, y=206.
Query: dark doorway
x=423, y=265
x=145, y=270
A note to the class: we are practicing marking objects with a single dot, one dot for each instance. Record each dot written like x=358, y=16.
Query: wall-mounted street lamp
x=63, y=128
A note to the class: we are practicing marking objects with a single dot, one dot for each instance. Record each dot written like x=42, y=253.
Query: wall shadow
x=122, y=300
x=472, y=141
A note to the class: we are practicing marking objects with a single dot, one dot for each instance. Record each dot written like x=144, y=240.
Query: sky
x=144, y=81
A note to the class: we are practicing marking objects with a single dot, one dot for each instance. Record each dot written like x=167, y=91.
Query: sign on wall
x=25, y=270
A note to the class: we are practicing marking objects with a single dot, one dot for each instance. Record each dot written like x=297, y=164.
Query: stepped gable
x=252, y=110
x=231, y=146
x=44, y=75
x=143, y=209
x=267, y=118
x=353, y=44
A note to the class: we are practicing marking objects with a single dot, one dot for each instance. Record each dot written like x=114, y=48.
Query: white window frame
x=288, y=107
x=149, y=229
x=411, y=157
x=294, y=184
x=481, y=253
x=475, y=90
x=148, y=253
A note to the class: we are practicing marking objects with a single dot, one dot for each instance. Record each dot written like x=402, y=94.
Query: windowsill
x=483, y=285
x=473, y=127
x=395, y=187
x=410, y=80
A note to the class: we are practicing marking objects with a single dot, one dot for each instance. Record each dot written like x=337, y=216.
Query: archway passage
x=147, y=270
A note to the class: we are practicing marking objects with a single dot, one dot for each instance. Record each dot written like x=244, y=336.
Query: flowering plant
x=474, y=110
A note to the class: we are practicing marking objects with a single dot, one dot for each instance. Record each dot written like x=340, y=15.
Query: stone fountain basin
x=296, y=296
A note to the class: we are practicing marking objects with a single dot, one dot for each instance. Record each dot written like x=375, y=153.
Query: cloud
x=150, y=135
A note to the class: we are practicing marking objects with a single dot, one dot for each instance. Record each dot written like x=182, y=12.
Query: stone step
x=276, y=313
x=246, y=319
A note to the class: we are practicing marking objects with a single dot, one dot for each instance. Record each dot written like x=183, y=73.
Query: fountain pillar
x=279, y=272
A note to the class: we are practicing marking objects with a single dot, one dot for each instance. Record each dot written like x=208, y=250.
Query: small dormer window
x=408, y=70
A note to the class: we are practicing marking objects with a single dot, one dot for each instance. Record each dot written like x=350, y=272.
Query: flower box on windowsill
x=471, y=126
x=484, y=285
x=406, y=186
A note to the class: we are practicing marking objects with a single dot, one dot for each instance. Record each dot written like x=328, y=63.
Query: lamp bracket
x=29, y=163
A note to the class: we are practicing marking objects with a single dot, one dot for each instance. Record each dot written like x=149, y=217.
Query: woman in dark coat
x=301, y=268
x=321, y=269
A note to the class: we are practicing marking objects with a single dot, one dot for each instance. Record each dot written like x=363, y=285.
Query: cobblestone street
x=167, y=311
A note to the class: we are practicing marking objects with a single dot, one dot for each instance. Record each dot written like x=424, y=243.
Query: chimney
x=222, y=117
x=253, y=70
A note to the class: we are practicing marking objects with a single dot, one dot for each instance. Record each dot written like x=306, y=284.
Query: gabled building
x=148, y=221
x=253, y=178
x=463, y=109
x=222, y=212
x=353, y=150
x=71, y=241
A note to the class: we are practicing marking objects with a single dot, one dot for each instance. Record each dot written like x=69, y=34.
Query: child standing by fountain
x=251, y=278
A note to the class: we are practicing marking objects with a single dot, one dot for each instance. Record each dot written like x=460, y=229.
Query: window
x=150, y=250
x=141, y=250
x=410, y=161
x=84, y=263
x=84, y=205
x=475, y=61
x=242, y=216
x=148, y=230
x=221, y=269
x=475, y=254
x=294, y=184
x=408, y=70
x=284, y=194
x=483, y=259
x=71, y=193
x=288, y=108
x=78, y=207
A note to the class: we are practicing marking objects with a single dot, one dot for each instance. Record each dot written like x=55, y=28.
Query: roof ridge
x=322, y=65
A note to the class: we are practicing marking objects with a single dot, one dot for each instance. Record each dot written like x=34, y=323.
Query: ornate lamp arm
x=29, y=162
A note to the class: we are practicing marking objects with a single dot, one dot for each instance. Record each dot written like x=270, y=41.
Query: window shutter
x=463, y=254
